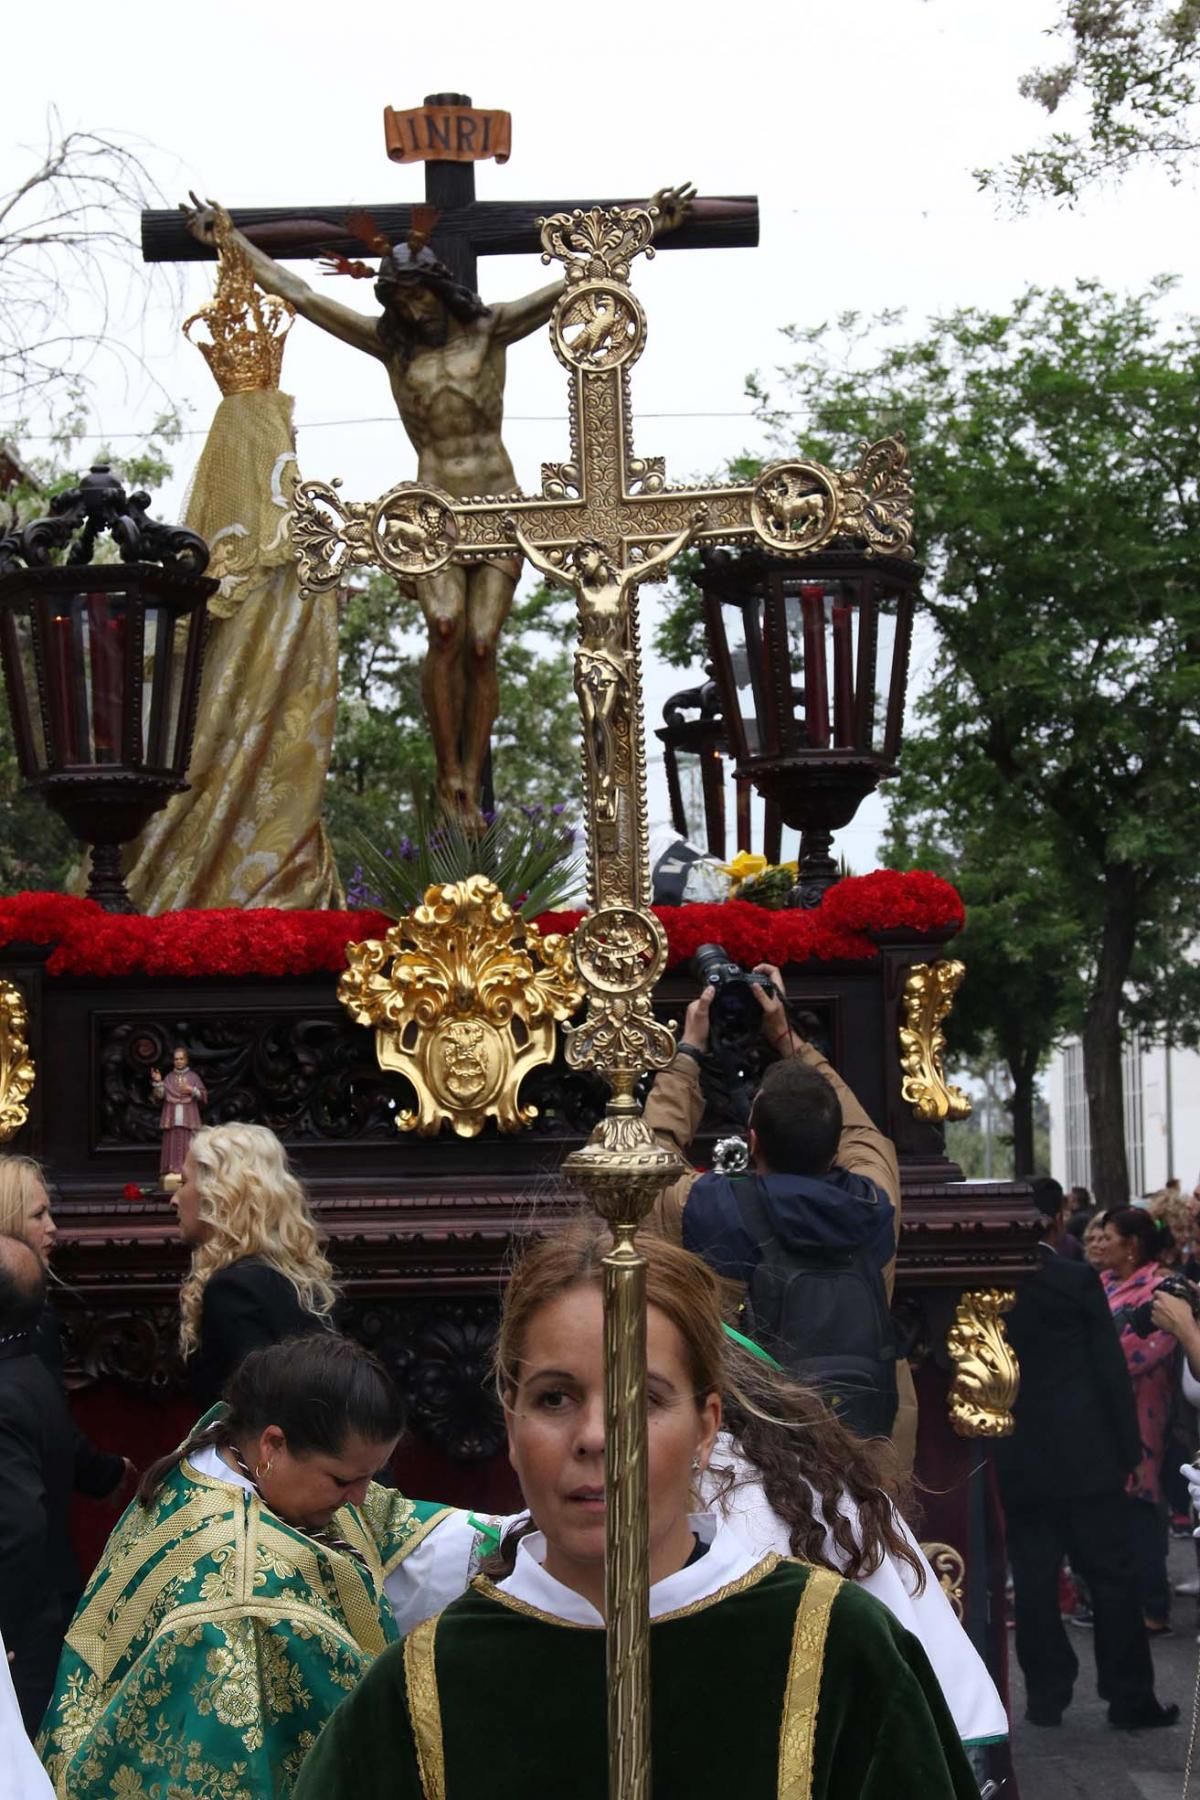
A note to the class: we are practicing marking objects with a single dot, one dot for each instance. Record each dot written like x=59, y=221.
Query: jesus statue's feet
x=458, y=803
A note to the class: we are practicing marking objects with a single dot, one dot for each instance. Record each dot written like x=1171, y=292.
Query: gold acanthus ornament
x=464, y=997
x=986, y=1376
x=17, y=1073
x=246, y=328
x=929, y=992
x=951, y=1571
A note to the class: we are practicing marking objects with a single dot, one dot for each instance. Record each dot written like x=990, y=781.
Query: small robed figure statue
x=182, y=1094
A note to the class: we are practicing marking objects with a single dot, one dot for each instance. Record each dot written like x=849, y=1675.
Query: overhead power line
x=112, y=437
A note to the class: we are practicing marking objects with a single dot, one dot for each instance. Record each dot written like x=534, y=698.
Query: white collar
x=210, y=1462
x=728, y=1559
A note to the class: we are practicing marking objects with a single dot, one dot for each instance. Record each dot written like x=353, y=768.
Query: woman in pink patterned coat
x=182, y=1094
x=1131, y=1245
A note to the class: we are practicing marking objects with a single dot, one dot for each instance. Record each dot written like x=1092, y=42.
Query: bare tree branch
x=70, y=261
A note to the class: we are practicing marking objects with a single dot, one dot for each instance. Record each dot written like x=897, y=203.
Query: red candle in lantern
x=106, y=637
x=816, y=684
x=843, y=678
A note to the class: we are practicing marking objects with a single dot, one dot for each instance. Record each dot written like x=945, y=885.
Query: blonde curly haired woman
x=258, y=1273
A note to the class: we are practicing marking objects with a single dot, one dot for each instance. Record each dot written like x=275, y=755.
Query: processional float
x=605, y=522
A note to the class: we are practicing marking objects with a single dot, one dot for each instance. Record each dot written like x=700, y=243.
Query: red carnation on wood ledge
x=856, y=915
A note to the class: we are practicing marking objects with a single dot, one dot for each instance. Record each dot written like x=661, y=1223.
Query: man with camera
x=1062, y=1480
x=806, y=1237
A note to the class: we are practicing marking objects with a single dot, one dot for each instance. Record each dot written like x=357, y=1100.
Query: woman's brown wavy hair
x=785, y=1430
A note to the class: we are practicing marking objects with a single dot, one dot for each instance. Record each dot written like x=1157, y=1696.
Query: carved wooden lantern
x=102, y=664
x=811, y=659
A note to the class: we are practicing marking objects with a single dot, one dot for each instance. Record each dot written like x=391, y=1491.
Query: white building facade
x=1162, y=1116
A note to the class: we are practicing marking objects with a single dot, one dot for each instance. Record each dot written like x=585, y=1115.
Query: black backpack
x=822, y=1312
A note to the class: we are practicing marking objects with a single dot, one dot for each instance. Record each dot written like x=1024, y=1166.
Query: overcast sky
x=857, y=125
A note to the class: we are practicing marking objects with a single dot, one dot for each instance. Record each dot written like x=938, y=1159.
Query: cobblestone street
x=1084, y=1755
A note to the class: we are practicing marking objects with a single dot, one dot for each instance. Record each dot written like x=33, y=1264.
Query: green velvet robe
x=213, y=1642
x=789, y=1682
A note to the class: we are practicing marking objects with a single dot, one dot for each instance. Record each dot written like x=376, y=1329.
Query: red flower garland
x=272, y=941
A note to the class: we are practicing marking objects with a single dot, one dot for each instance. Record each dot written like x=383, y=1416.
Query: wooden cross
x=466, y=229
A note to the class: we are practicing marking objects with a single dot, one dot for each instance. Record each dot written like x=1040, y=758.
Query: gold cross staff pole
x=605, y=522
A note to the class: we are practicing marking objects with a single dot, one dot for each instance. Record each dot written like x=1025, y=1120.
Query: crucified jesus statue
x=444, y=350
x=603, y=592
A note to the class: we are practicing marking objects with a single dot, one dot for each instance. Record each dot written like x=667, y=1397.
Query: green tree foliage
x=1020, y=946
x=1134, y=65
x=382, y=750
x=1057, y=463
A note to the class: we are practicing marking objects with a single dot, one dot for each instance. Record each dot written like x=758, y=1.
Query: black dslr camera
x=732, y=1069
x=1140, y=1322
x=735, y=1013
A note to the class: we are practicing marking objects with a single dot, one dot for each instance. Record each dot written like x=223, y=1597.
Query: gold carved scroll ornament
x=17, y=1073
x=465, y=997
x=951, y=1571
x=929, y=992
x=986, y=1375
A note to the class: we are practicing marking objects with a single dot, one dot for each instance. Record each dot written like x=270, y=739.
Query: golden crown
x=247, y=328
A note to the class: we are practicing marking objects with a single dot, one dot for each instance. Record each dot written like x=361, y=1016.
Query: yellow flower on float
x=745, y=865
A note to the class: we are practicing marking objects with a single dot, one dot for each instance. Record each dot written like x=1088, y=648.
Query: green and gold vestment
x=788, y=1684
x=214, y=1641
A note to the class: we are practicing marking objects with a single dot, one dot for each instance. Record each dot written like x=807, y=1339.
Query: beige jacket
x=673, y=1112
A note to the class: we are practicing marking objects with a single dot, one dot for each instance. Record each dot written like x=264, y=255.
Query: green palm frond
x=529, y=853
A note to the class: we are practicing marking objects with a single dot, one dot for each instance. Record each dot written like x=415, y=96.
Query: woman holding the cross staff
x=771, y=1676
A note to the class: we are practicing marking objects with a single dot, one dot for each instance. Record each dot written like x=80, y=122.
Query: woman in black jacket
x=25, y=1213
x=258, y=1273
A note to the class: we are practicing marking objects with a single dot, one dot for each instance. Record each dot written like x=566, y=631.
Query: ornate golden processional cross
x=605, y=522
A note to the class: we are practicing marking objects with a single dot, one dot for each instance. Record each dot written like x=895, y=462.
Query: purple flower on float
x=359, y=894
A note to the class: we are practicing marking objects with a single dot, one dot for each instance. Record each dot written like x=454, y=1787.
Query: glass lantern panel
x=162, y=684
x=743, y=634
x=687, y=797
x=822, y=620
x=885, y=656
x=68, y=680
x=21, y=640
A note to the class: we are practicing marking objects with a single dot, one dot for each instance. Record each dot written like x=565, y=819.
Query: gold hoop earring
x=260, y=1471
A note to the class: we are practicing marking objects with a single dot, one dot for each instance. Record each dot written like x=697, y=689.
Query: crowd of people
x=1093, y=1477
x=271, y=1616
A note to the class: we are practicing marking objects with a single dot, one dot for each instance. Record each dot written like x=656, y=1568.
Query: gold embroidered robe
x=214, y=1641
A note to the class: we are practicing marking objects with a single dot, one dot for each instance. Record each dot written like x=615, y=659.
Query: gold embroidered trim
x=750, y=1579
x=483, y=1585
x=360, y=1607
x=418, y=1535
x=424, y=1707
x=272, y=1612
x=103, y=1633
x=102, y=1645
x=798, y=1731
x=354, y=1597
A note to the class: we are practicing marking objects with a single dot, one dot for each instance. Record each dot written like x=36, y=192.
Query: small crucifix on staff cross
x=444, y=351
x=604, y=522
